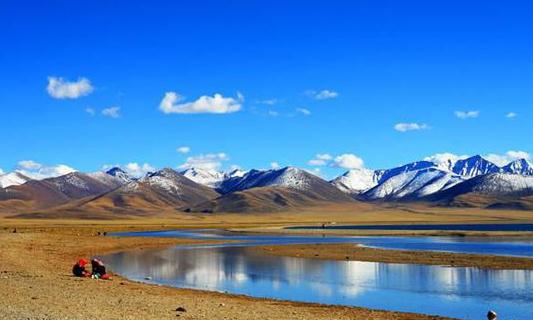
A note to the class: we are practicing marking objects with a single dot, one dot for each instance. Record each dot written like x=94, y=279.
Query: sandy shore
x=35, y=281
x=353, y=252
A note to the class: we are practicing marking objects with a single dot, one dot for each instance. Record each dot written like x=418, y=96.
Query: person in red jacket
x=79, y=269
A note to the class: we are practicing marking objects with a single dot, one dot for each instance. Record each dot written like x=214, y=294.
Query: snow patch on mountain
x=72, y=179
x=357, y=181
x=13, y=179
x=289, y=177
x=120, y=174
x=521, y=166
x=474, y=166
x=415, y=183
x=165, y=179
x=504, y=184
x=210, y=178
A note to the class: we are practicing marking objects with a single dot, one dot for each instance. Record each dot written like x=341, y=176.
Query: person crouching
x=98, y=269
x=79, y=269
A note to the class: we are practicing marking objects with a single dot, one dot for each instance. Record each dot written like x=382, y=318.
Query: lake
x=465, y=293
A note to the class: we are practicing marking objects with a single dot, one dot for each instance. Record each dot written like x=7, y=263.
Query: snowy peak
x=474, y=166
x=119, y=174
x=503, y=184
x=413, y=184
x=13, y=179
x=357, y=181
x=210, y=178
x=520, y=166
x=235, y=173
x=289, y=177
x=414, y=166
x=168, y=181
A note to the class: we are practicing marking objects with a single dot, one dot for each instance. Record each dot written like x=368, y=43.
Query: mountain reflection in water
x=458, y=292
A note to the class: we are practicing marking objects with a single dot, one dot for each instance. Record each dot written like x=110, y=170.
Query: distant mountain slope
x=211, y=178
x=413, y=184
x=491, y=189
x=54, y=191
x=290, y=177
x=357, y=181
x=474, y=166
x=164, y=189
x=521, y=166
x=273, y=190
x=13, y=179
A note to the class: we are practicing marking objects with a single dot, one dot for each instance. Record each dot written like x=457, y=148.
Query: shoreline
x=35, y=267
x=356, y=252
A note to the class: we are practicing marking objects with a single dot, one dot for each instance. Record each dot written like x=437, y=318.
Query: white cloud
x=274, y=165
x=322, y=94
x=138, y=170
x=445, y=159
x=210, y=161
x=1, y=171
x=410, y=126
x=183, y=150
x=320, y=159
x=467, y=114
x=39, y=171
x=112, y=112
x=205, y=104
x=348, y=161
x=503, y=159
x=273, y=113
x=29, y=165
x=60, y=88
x=303, y=111
x=511, y=115
x=90, y=111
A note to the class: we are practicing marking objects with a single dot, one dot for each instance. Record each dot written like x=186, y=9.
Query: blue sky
x=380, y=80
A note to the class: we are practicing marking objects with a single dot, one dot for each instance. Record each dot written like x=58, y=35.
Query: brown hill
x=269, y=199
x=161, y=190
x=36, y=195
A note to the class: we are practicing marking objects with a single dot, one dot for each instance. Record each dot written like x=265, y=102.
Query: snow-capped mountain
x=420, y=179
x=158, y=190
x=211, y=178
x=357, y=181
x=167, y=180
x=414, y=166
x=119, y=174
x=497, y=185
x=474, y=166
x=413, y=184
x=521, y=166
x=114, y=178
x=289, y=177
x=77, y=185
x=13, y=179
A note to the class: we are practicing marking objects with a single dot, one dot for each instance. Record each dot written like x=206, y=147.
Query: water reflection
x=458, y=292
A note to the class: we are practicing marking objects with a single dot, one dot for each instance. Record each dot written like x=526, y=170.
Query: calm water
x=243, y=269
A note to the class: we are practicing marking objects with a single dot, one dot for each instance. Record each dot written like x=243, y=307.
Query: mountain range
x=470, y=182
